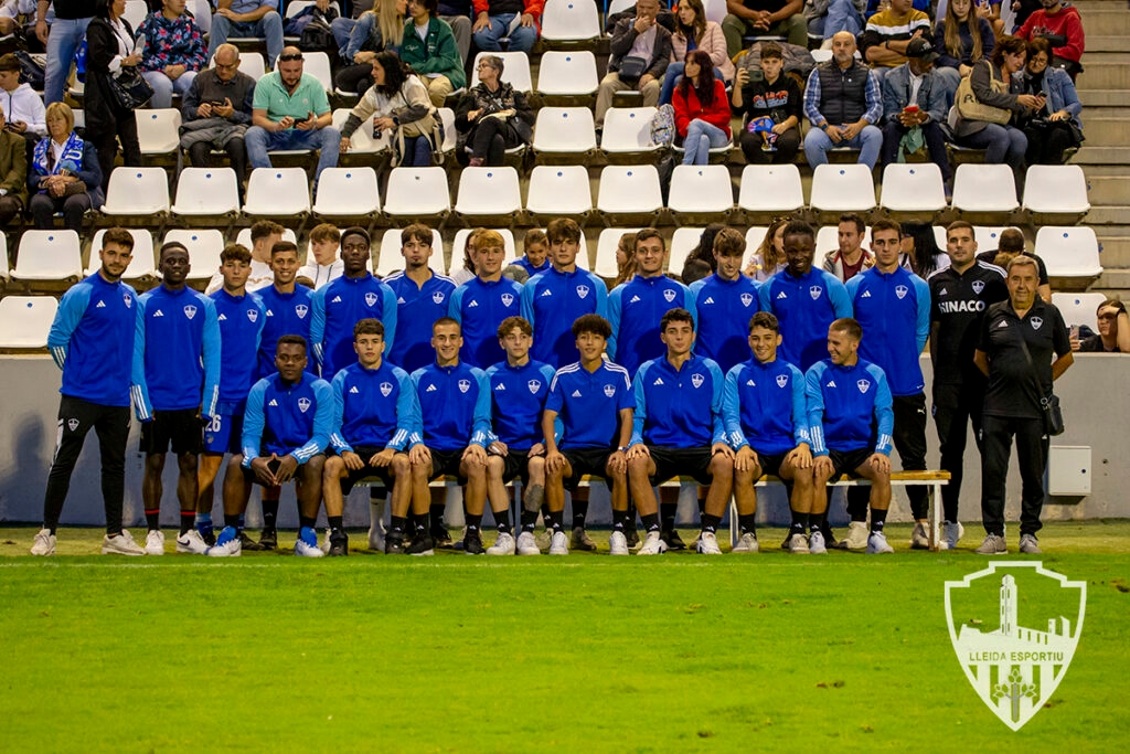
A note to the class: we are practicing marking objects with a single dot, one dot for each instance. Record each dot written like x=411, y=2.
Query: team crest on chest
x=507, y=299
x=253, y=315
x=900, y=291
x=863, y=385
x=301, y=310
x=438, y=297
x=669, y=295
x=582, y=291
x=303, y=404
x=1037, y=322
x=464, y=385
x=782, y=380
x=386, y=388
x=815, y=292
x=697, y=380
x=370, y=299
x=610, y=390
x=534, y=386
x=128, y=300
x=746, y=299
x=72, y=424
x=190, y=311
x=978, y=286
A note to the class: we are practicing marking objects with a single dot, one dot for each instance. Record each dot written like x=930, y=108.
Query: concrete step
x=1107, y=130
x=1118, y=214
x=1092, y=98
x=1116, y=281
x=1089, y=156
x=1105, y=42
x=1107, y=171
x=1115, y=251
x=1106, y=19
x=1108, y=190
x=1105, y=75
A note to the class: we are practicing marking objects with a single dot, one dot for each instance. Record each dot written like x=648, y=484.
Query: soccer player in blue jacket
x=677, y=429
x=805, y=300
x=422, y=297
x=375, y=411
x=892, y=305
x=766, y=419
x=553, y=299
x=285, y=432
x=635, y=307
x=451, y=437
x=241, y=317
x=725, y=301
x=176, y=385
x=850, y=423
x=519, y=387
x=593, y=398
x=91, y=340
x=354, y=296
x=480, y=304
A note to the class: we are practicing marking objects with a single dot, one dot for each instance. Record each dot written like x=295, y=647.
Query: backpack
x=663, y=126
x=312, y=27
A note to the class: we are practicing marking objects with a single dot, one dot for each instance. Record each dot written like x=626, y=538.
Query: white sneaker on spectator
x=798, y=545
x=856, y=538
x=877, y=544
x=708, y=544
x=559, y=543
x=155, y=542
x=652, y=545
x=504, y=545
x=747, y=544
x=618, y=544
x=192, y=543
x=1029, y=545
x=528, y=544
x=121, y=544
x=44, y=543
x=228, y=544
x=920, y=537
x=952, y=534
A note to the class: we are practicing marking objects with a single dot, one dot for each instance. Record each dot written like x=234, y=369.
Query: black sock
x=748, y=523
x=502, y=521
x=530, y=520
x=270, y=514
x=307, y=522
x=474, y=522
x=619, y=520
x=153, y=519
x=800, y=523
x=878, y=519
x=710, y=523
x=557, y=521
x=236, y=521
x=398, y=525
x=187, y=521
x=651, y=522
x=580, y=512
x=335, y=522
x=667, y=513
x=420, y=524
x=437, y=511
x=701, y=506
x=817, y=521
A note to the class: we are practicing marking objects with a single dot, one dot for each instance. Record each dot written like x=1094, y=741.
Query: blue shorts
x=224, y=433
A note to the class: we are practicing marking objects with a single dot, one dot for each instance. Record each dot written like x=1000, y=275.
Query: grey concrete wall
x=1093, y=392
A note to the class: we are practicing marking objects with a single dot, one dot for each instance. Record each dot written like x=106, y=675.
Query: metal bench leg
x=935, y=501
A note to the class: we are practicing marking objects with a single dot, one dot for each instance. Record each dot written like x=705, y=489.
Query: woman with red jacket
x=702, y=112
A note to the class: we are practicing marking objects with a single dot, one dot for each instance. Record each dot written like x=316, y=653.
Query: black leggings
x=488, y=141
x=355, y=78
x=1047, y=144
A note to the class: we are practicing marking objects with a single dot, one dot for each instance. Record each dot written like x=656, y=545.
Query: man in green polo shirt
x=291, y=111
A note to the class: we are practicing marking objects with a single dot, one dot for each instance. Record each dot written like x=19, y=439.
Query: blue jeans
x=260, y=141
x=841, y=16
x=62, y=43
x=269, y=27
x=701, y=136
x=817, y=143
x=949, y=78
x=671, y=78
x=1002, y=144
x=522, y=39
x=163, y=86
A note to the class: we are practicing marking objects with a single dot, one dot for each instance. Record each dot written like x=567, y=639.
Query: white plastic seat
x=137, y=191
x=135, y=13
x=843, y=188
x=80, y=117
x=243, y=237
x=251, y=63
x=389, y=258
x=559, y=190
x=317, y=64
x=1079, y=308
x=141, y=265
x=488, y=191
x=988, y=237
x=48, y=255
x=450, y=133
x=616, y=6
x=158, y=131
x=629, y=189
x=753, y=238
x=206, y=192
x=1056, y=189
x=363, y=141
x=913, y=187
x=770, y=189
x=204, y=248
x=1069, y=252
x=564, y=130
x=683, y=242
x=347, y=192
x=416, y=192
x=459, y=245
x=5, y=273
x=606, y=244
x=567, y=74
x=515, y=70
x=25, y=321
x=984, y=188
x=277, y=192
x=715, y=10
x=828, y=239
x=627, y=130
x=699, y=189
x=569, y=21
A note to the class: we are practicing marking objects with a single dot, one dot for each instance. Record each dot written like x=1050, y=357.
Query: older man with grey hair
x=216, y=112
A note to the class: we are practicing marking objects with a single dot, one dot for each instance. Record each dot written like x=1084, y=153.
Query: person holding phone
x=914, y=97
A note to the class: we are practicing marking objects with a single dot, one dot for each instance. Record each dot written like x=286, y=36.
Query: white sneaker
x=951, y=535
x=798, y=545
x=191, y=542
x=324, y=545
x=559, y=544
x=877, y=544
x=306, y=545
x=747, y=543
x=528, y=544
x=652, y=545
x=920, y=537
x=708, y=544
x=44, y=543
x=121, y=544
x=155, y=542
x=504, y=545
x=856, y=538
x=617, y=544
x=1029, y=545
x=228, y=544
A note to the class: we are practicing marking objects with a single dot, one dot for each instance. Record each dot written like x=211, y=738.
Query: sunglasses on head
x=285, y=58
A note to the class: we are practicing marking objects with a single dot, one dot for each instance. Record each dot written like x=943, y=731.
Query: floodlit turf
x=587, y=653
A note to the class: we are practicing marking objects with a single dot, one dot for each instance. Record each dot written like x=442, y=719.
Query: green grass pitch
x=770, y=652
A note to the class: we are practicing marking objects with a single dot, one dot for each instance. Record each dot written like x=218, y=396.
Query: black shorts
x=847, y=463
x=516, y=464
x=384, y=473
x=673, y=462
x=770, y=463
x=447, y=463
x=590, y=461
x=182, y=429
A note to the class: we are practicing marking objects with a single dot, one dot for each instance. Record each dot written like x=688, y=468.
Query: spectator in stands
x=22, y=106
x=249, y=18
x=702, y=114
x=1011, y=243
x=429, y=46
x=13, y=173
x=769, y=258
x=62, y=41
x=694, y=32
x=782, y=18
x=64, y=175
x=1061, y=25
x=640, y=52
x=18, y=16
x=470, y=260
x=535, y=253
x=343, y=26
x=626, y=267
x=457, y=14
x=1002, y=143
x=850, y=258
x=513, y=19
x=322, y=263
x=843, y=103
x=1022, y=9
x=888, y=33
x=375, y=30
x=1056, y=127
x=914, y=107
x=291, y=111
x=398, y=103
x=826, y=17
x=771, y=95
x=920, y=252
x=264, y=235
x=492, y=117
x=109, y=48
x=1114, y=330
x=216, y=111
x=704, y=251
x=962, y=39
x=174, y=52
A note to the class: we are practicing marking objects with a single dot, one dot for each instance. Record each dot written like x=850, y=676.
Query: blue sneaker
x=307, y=544
x=228, y=544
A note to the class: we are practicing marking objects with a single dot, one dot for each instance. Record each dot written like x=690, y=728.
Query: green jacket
x=13, y=166
x=437, y=53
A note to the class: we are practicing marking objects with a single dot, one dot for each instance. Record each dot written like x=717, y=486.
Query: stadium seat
x=515, y=70
x=627, y=130
x=80, y=117
x=1069, y=252
x=606, y=244
x=983, y=189
x=251, y=63
x=48, y=255
x=489, y=192
x=135, y=12
x=389, y=258
x=913, y=188
x=842, y=188
x=25, y=321
x=5, y=273
x=770, y=189
x=569, y=21
x=683, y=242
x=158, y=131
x=698, y=190
x=629, y=190
x=715, y=10
x=362, y=141
x=206, y=192
x=142, y=192
x=317, y=64
x=753, y=238
x=564, y=131
x=1079, y=308
x=417, y=193
x=204, y=248
x=450, y=133
x=616, y=6
x=1056, y=190
x=243, y=237
x=459, y=245
x=277, y=192
x=828, y=239
x=988, y=237
x=143, y=264
x=568, y=74
x=347, y=192
x=557, y=190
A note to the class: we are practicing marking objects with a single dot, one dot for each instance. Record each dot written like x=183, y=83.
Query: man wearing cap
x=914, y=108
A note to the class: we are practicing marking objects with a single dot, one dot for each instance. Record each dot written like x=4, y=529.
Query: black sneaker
x=673, y=540
x=473, y=543
x=633, y=537
x=421, y=545
x=269, y=540
x=441, y=537
x=339, y=545
x=829, y=538
x=247, y=543
x=394, y=544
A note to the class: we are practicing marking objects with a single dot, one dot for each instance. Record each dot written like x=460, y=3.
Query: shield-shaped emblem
x=438, y=297
x=978, y=286
x=534, y=386
x=507, y=299
x=301, y=310
x=610, y=390
x=669, y=295
x=900, y=291
x=582, y=291
x=303, y=404
x=863, y=385
x=747, y=299
x=72, y=424
x=782, y=380
x=253, y=315
x=464, y=385
x=1038, y=613
x=386, y=388
x=697, y=380
x=190, y=311
x=128, y=300
x=370, y=299
x=815, y=292
x=1037, y=322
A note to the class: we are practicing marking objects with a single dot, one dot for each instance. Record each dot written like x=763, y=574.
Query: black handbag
x=1049, y=404
x=129, y=89
x=632, y=69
